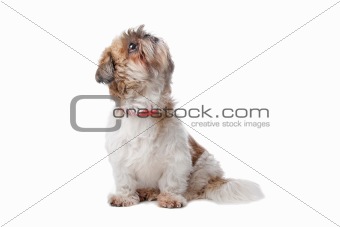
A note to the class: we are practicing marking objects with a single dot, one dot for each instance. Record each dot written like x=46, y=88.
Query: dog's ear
x=105, y=71
x=171, y=65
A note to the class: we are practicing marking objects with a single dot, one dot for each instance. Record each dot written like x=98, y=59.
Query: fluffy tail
x=232, y=191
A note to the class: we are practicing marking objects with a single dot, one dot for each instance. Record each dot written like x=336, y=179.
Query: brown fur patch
x=196, y=150
x=194, y=194
x=215, y=182
x=148, y=194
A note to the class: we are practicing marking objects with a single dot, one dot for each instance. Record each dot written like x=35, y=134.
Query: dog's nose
x=99, y=79
x=104, y=75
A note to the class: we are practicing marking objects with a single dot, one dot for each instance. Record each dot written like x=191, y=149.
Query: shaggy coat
x=154, y=158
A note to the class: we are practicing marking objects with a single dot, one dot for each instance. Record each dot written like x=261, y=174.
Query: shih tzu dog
x=152, y=155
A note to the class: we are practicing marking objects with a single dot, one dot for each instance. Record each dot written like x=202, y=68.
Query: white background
x=297, y=80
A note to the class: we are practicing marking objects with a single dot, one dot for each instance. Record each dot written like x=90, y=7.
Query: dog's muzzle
x=105, y=75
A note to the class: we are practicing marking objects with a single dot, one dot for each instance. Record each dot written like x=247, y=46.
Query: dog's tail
x=232, y=191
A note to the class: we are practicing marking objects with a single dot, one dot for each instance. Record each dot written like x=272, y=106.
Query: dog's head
x=135, y=61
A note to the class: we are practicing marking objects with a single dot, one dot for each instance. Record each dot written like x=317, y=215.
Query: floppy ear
x=105, y=70
x=171, y=65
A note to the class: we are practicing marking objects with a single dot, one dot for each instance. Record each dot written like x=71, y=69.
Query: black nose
x=99, y=79
x=105, y=75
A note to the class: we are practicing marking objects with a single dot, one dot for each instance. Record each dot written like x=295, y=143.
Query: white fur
x=151, y=160
x=163, y=161
x=235, y=191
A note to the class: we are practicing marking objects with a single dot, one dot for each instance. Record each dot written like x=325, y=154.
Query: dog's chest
x=144, y=155
x=146, y=161
x=148, y=167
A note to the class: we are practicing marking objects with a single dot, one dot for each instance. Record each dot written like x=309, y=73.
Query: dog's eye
x=132, y=47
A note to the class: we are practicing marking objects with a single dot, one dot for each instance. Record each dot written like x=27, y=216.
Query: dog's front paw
x=123, y=201
x=169, y=200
